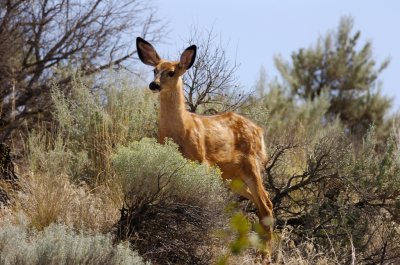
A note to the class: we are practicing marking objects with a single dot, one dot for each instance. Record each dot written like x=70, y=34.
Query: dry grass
x=301, y=253
x=287, y=252
x=45, y=199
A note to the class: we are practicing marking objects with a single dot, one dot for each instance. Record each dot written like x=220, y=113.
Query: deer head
x=166, y=73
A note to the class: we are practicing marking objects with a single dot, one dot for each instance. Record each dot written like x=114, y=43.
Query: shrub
x=69, y=178
x=151, y=173
x=89, y=125
x=58, y=244
x=117, y=112
x=173, y=204
x=339, y=192
x=51, y=154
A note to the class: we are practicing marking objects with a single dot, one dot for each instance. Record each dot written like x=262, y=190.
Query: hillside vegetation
x=89, y=184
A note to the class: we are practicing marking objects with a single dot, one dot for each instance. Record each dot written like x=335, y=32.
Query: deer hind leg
x=253, y=180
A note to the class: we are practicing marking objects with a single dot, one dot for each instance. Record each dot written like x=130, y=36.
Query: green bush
x=151, y=173
x=59, y=245
x=173, y=204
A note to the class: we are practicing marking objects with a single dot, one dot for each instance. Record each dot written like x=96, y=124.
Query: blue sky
x=257, y=30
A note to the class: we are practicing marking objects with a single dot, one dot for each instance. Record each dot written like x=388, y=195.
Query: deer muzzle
x=154, y=86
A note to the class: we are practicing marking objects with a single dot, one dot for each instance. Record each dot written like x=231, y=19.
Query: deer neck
x=172, y=112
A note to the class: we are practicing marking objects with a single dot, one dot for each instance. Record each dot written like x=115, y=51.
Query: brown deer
x=228, y=140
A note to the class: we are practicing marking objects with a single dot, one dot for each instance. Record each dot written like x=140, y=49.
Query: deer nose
x=154, y=86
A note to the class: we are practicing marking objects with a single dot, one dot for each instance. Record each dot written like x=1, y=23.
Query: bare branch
x=212, y=83
x=41, y=41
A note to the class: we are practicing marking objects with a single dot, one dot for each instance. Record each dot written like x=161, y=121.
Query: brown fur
x=227, y=140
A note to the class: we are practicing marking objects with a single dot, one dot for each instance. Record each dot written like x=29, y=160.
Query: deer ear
x=146, y=52
x=188, y=57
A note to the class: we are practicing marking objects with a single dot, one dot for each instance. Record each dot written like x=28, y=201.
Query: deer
x=227, y=140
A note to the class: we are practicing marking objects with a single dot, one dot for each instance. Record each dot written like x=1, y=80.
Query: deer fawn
x=228, y=140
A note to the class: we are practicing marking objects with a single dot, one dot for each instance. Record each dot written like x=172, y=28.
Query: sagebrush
x=58, y=244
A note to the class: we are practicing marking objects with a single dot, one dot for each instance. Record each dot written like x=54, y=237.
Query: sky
x=254, y=31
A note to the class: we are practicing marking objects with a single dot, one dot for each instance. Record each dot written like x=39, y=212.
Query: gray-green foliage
x=54, y=155
x=347, y=73
x=283, y=118
x=378, y=170
x=188, y=199
x=90, y=123
x=325, y=185
x=155, y=173
x=117, y=107
x=342, y=194
x=58, y=244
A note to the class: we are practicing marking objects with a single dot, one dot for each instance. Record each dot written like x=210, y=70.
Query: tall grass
x=45, y=199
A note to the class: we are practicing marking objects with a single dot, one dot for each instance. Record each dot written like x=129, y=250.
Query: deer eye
x=171, y=73
x=155, y=71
